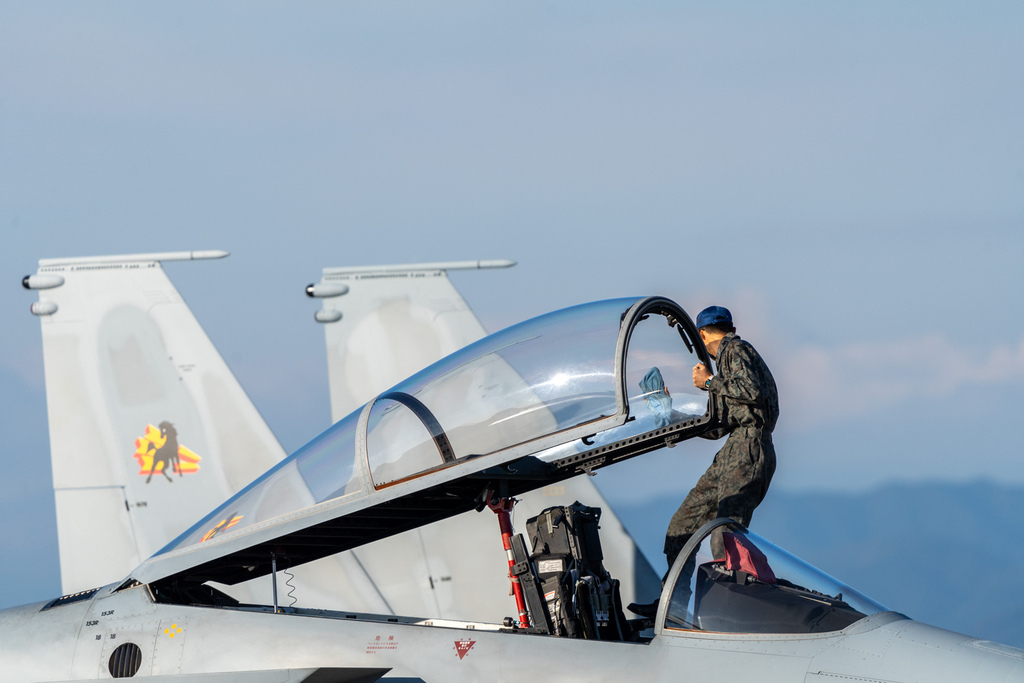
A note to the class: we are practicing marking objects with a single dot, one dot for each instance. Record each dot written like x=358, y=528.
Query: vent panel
x=125, y=660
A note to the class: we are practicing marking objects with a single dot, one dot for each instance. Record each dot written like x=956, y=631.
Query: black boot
x=649, y=611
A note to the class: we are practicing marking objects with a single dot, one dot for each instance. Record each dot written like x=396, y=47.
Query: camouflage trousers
x=733, y=486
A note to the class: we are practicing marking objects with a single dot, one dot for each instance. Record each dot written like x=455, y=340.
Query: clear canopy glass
x=734, y=581
x=658, y=385
x=534, y=382
x=537, y=378
x=323, y=469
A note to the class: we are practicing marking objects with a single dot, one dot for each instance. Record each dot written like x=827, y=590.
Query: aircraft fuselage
x=76, y=642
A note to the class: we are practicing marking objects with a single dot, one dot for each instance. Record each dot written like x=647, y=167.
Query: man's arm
x=701, y=375
x=738, y=377
x=714, y=434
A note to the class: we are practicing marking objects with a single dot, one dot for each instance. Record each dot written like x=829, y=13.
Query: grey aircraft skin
x=75, y=643
x=758, y=614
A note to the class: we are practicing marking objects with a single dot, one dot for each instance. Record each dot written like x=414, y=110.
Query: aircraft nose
x=908, y=651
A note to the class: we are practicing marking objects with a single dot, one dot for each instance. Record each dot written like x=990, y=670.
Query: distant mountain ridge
x=949, y=554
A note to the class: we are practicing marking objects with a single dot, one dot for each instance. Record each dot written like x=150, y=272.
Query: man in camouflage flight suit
x=746, y=402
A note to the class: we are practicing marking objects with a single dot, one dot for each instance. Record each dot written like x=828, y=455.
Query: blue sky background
x=847, y=178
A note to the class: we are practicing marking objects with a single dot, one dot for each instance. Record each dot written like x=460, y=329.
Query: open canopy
x=541, y=401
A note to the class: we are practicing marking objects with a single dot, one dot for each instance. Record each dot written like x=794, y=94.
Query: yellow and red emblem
x=151, y=442
x=223, y=525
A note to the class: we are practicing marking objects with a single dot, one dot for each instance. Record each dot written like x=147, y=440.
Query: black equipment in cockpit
x=581, y=598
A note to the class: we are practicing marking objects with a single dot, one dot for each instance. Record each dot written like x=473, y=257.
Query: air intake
x=125, y=661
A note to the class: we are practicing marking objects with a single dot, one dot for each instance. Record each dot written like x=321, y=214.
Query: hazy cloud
x=823, y=386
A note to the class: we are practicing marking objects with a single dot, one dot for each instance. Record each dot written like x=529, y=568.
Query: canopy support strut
x=502, y=507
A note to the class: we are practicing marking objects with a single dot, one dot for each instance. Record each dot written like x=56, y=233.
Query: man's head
x=715, y=319
x=713, y=323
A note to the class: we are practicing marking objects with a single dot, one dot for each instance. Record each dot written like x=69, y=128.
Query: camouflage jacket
x=743, y=391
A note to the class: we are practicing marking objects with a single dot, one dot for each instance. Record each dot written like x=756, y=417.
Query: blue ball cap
x=712, y=315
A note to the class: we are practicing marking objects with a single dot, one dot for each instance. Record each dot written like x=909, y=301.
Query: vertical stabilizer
x=383, y=324
x=149, y=429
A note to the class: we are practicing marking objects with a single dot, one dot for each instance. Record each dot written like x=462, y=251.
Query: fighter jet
x=521, y=409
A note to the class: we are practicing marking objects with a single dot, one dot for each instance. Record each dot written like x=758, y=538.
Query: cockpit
x=730, y=580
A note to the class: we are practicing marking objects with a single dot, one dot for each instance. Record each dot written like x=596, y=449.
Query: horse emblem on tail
x=158, y=451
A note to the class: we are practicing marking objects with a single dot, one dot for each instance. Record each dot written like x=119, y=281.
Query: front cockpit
x=730, y=580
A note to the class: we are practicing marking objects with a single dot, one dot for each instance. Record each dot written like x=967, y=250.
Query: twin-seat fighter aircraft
x=520, y=410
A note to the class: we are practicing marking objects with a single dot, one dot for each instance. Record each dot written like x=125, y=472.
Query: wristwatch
x=707, y=385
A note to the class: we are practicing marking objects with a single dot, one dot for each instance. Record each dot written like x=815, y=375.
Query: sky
x=847, y=178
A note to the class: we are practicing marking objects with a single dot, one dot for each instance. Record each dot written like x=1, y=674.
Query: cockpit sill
x=209, y=598
x=864, y=625
x=145, y=593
